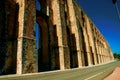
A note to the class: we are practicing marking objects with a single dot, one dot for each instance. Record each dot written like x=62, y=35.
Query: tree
x=116, y=55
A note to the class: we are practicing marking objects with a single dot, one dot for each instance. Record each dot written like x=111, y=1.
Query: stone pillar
x=57, y=22
x=87, y=47
x=111, y=56
x=91, y=40
x=102, y=53
x=63, y=14
x=108, y=55
x=103, y=50
x=26, y=54
x=74, y=29
x=98, y=54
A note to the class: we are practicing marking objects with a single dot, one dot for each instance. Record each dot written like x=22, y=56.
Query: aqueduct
x=67, y=37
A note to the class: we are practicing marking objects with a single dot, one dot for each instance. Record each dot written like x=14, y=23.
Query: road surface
x=98, y=72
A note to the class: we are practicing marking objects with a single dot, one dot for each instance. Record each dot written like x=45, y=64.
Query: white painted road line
x=94, y=76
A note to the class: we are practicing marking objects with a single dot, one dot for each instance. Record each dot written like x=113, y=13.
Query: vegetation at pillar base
x=116, y=56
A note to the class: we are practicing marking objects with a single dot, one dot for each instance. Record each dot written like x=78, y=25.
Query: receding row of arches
x=48, y=54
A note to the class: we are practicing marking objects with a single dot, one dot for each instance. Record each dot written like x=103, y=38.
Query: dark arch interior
x=42, y=37
x=8, y=36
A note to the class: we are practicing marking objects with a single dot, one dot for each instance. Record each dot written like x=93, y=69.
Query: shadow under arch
x=8, y=36
x=43, y=44
x=72, y=47
x=43, y=50
x=48, y=52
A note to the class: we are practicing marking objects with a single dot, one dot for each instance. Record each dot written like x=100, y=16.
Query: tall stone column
x=98, y=54
x=108, y=56
x=106, y=51
x=26, y=54
x=87, y=47
x=57, y=22
x=111, y=55
x=103, y=50
x=63, y=13
x=91, y=40
x=101, y=53
x=74, y=29
x=100, y=58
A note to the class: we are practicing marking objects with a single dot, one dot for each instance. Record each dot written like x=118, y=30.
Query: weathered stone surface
x=67, y=38
x=28, y=56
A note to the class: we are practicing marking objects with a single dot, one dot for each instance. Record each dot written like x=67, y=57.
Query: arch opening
x=8, y=36
x=42, y=37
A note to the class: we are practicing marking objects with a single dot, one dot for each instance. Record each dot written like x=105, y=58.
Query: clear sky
x=104, y=15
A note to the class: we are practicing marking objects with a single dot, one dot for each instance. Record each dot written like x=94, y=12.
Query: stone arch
x=48, y=54
x=43, y=41
x=43, y=56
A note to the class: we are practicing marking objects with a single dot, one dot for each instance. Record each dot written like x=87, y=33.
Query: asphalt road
x=98, y=72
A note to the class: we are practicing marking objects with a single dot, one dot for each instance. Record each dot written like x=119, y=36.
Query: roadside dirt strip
x=115, y=75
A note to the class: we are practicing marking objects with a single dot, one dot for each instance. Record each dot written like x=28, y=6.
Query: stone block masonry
x=67, y=37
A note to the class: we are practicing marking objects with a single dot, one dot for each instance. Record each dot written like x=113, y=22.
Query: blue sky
x=104, y=15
